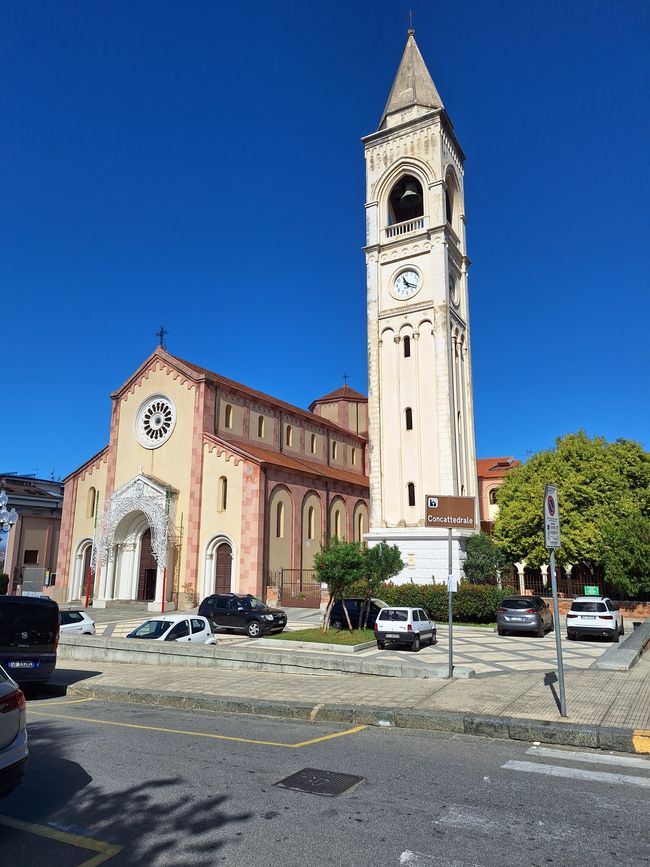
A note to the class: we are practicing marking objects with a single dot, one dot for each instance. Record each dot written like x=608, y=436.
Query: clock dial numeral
x=406, y=284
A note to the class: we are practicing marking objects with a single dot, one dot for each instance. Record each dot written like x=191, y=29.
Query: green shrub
x=473, y=603
x=4, y=583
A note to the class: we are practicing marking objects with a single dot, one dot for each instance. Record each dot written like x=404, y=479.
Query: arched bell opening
x=406, y=201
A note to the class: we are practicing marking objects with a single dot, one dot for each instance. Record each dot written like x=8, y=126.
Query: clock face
x=406, y=284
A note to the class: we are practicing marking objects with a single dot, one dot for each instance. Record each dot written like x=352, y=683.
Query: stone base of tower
x=425, y=552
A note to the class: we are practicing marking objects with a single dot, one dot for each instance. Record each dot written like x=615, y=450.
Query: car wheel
x=552, y=626
x=416, y=644
x=381, y=645
x=571, y=636
x=432, y=640
x=615, y=636
x=541, y=632
x=336, y=624
x=500, y=631
x=253, y=629
x=622, y=628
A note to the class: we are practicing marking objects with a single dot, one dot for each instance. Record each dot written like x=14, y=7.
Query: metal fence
x=298, y=588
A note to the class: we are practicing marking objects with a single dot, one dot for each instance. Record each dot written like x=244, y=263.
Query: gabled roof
x=300, y=465
x=495, y=467
x=343, y=393
x=413, y=84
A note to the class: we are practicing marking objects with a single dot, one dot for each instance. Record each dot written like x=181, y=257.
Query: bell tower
x=421, y=416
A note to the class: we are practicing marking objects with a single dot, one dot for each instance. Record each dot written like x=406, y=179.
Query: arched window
x=227, y=416
x=279, y=521
x=335, y=450
x=354, y=457
x=90, y=504
x=222, y=495
x=408, y=414
x=337, y=524
x=411, y=492
x=449, y=209
x=407, y=347
x=493, y=497
x=310, y=522
x=360, y=526
x=260, y=426
x=312, y=444
x=405, y=201
x=288, y=435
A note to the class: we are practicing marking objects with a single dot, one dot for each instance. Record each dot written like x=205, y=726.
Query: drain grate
x=315, y=782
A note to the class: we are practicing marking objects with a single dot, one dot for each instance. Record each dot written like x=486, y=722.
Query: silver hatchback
x=529, y=614
x=13, y=733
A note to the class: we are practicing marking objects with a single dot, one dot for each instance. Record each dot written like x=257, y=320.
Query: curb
x=457, y=722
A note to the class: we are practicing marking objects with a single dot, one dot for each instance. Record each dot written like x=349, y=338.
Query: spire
x=413, y=87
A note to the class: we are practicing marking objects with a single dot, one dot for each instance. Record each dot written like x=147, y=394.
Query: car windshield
x=589, y=607
x=517, y=603
x=393, y=614
x=151, y=629
x=249, y=602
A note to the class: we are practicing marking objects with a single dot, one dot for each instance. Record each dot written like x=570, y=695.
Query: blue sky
x=200, y=165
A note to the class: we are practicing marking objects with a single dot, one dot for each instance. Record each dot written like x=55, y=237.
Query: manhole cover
x=317, y=782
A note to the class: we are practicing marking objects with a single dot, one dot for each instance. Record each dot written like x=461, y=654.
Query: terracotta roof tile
x=300, y=465
x=343, y=393
x=495, y=467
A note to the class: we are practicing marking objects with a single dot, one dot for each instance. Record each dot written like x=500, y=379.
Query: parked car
x=524, y=614
x=595, y=616
x=13, y=733
x=404, y=626
x=29, y=637
x=242, y=612
x=76, y=622
x=355, y=610
x=185, y=628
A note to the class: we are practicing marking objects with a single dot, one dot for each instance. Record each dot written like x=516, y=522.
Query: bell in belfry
x=411, y=197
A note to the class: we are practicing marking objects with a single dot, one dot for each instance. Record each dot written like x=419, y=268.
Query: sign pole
x=450, y=602
x=558, y=636
x=551, y=542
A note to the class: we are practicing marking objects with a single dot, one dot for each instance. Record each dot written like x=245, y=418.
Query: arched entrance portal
x=148, y=569
x=223, y=569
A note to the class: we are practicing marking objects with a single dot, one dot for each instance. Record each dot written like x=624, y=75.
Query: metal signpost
x=552, y=541
x=450, y=512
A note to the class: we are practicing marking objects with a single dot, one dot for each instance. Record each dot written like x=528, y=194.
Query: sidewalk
x=607, y=710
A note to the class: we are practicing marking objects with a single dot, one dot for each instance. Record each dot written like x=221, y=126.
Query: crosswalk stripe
x=577, y=774
x=593, y=758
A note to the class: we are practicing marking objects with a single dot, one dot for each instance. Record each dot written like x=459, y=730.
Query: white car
x=13, y=733
x=404, y=626
x=184, y=628
x=595, y=616
x=76, y=622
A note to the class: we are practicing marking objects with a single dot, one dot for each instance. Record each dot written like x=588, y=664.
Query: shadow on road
x=156, y=821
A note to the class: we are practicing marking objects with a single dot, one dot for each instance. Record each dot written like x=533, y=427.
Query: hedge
x=473, y=603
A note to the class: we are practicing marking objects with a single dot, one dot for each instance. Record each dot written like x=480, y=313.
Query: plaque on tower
x=450, y=513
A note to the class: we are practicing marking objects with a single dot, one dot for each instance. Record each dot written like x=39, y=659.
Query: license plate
x=22, y=663
x=518, y=619
x=587, y=617
x=391, y=635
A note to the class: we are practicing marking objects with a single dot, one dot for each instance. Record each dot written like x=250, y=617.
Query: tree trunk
x=328, y=614
x=347, y=616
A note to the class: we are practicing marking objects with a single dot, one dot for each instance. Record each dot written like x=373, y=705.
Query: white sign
x=452, y=583
x=551, y=518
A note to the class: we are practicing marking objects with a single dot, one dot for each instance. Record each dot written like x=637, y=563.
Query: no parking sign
x=551, y=518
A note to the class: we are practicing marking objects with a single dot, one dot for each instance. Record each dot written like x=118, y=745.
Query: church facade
x=207, y=485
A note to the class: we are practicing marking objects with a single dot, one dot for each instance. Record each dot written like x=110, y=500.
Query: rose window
x=155, y=421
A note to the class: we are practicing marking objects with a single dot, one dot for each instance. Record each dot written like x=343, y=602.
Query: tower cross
x=345, y=378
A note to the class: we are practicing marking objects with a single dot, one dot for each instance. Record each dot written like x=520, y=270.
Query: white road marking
x=593, y=758
x=421, y=859
x=577, y=774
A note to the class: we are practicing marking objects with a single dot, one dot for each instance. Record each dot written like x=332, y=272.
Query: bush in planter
x=473, y=603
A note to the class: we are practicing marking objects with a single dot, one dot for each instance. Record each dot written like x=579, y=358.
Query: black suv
x=355, y=610
x=236, y=611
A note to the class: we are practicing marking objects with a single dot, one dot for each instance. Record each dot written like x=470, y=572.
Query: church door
x=148, y=570
x=223, y=569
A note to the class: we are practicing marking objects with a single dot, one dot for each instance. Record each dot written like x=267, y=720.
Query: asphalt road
x=130, y=785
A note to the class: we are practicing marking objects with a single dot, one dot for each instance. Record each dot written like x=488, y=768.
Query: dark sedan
x=355, y=610
x=524, y=614
x=242, y=612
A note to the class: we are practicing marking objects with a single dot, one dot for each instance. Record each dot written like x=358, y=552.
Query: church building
x=208, y=485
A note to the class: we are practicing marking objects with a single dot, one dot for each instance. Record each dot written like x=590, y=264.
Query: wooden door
x=223, y=569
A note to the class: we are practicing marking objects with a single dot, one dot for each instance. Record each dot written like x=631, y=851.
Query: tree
x=382, y=562
x=484, y=560
x=595, y=480
x=627, y=553
x=339, y=565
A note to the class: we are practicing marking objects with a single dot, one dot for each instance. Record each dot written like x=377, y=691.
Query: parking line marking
x=209, y=735
x=577, y=774
x=104, y=850
x=73, y=701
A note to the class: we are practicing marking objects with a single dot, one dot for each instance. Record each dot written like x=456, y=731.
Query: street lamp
x=7, y=518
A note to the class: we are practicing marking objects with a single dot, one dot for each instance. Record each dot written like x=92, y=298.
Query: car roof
x=27, y=600
x=590, y=599
x=172, y=618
